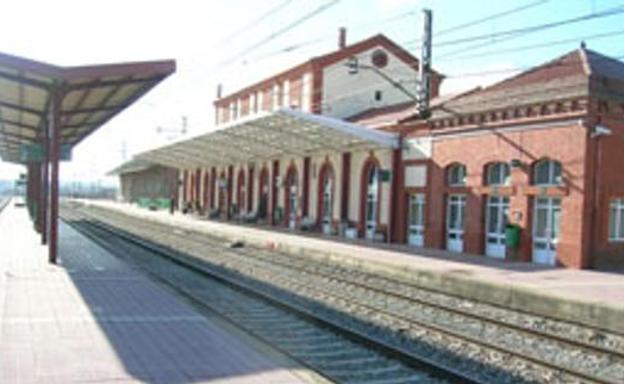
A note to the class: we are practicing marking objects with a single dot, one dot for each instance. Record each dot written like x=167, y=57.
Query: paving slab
x=590, y=297
x=94, y=318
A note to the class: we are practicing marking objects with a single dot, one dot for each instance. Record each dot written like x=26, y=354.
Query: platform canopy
x=270, y=135
x=131, y=166
x=88, y=97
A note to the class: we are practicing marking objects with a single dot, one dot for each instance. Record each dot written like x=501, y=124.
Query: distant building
x=142, y=180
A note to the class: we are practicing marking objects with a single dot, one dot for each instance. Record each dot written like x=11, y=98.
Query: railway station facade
x=346, y=154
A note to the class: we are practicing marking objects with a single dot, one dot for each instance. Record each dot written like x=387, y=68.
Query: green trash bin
x=512, y=236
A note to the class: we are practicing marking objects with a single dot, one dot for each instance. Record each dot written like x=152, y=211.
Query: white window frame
x=552, y=177
x=276, y=96
x=252, y=104
x=306, y=93
x=461, y=179
x=260, y=100
x=286, y=93
x=234, y=110
x=616, y=207
x=501, y=172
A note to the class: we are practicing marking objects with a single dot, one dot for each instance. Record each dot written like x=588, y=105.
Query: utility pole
x=173, y=131
x=424, y=68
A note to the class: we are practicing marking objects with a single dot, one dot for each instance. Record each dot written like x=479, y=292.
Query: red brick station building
x=322, y=148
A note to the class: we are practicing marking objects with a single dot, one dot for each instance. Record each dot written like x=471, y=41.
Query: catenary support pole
x=424, y=67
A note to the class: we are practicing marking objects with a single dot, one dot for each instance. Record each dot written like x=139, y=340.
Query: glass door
x=546, y=222
x=371, y=203
x=328, y=203
x=455, y=223
x=497, y=212
x=292, y=203
x=416, y=223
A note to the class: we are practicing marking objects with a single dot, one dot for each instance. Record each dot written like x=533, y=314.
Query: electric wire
x=288, y=27
x=252, y=24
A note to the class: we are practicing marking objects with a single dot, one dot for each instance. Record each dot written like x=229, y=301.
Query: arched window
x=456, y=175
x=498, y=174
x=547, y=172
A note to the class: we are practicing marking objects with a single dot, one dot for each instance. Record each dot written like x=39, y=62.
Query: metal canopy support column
x=45, y=184
x=344, y=188
x=274, y=190
x=35, y=168
x=306, y=187
x=55, y=136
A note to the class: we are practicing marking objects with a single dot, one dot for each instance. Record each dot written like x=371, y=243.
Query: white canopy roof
x=270, y=135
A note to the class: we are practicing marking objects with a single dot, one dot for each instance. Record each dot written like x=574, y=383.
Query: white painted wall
x=345, y=95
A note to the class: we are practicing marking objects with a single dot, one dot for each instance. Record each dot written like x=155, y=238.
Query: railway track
x=339, y=355
x=527, y=348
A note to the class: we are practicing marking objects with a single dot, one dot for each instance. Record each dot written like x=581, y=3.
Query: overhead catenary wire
x=252, y=24
x=537, y=46
x=512, y=33
x=524, y=30
x=401, y=16
x=297, y=22
x=327, y=36
x=490, y=18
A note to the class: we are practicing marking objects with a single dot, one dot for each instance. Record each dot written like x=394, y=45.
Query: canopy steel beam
x=196, y=152
x=108, y=83
x=19, y=124
x=21, y=108
x=167, y=160
x=25, y=80
x=194, y=155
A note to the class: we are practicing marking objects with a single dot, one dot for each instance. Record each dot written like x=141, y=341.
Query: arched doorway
x=290, y=194
x=240, y=192
x=263, y=194
x=370, y=196
x=326, y=198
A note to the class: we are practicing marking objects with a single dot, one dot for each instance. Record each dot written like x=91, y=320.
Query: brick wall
x=565, y=144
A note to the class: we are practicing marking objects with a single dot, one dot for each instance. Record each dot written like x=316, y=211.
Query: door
x=416, y=222
x=263, y=197
x=546, y=221
x=455, y=223
x=372, y=198
x=328, y=203
x=496, y=219
x=292, y=201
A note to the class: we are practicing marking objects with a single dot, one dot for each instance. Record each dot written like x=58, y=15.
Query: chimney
x=219, y=91
x=342, y=37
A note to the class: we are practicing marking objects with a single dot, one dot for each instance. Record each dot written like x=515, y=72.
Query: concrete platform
x=589, y=297
x=95, y=319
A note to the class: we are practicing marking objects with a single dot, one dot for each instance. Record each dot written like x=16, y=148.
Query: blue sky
x=200, y=36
